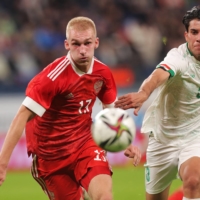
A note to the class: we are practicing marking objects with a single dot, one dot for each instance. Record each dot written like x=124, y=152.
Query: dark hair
x=194, y=13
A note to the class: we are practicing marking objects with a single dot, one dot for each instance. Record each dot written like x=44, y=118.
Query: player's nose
x=82, y=49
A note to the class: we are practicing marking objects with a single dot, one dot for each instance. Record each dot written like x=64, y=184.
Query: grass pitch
x=128, y=184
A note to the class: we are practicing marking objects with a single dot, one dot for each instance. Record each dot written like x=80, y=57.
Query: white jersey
x=174, y=115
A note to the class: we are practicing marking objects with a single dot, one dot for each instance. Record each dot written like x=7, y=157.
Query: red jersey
x=63, y=97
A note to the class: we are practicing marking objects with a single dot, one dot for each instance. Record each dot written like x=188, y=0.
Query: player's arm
x=136, y=99
x=14, y=133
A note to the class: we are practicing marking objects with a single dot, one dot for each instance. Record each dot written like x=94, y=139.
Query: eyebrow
x=74, y=40
x=194, y=29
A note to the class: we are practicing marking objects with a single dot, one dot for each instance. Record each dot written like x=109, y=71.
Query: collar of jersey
x=192, y=56
x=76, y=69
x=189, y=50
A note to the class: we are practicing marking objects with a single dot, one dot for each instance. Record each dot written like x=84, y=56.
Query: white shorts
x=164, y=161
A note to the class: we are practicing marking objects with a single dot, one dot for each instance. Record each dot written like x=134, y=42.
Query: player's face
x=82, y=45
x=193, y=38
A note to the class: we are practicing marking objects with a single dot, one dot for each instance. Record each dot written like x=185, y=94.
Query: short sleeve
x=40, y=92
x=174, y=62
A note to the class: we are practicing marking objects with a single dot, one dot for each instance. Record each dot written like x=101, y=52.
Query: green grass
x=21, y=186
x=128, y=183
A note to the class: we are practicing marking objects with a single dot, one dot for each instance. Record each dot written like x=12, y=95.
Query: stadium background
x=134, y=37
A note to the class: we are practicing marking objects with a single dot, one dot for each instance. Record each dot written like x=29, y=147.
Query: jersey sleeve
x=40, y=92
x=173, y=63
x=108, y=93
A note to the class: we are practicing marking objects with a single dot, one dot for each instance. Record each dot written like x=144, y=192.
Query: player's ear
x=66, y=43
x=96, y=43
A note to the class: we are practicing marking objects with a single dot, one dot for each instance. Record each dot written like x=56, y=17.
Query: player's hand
x=133, y=152
x=3, y=169
x=131, y=100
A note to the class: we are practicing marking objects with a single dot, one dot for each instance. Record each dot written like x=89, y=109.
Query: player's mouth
x=83, y=59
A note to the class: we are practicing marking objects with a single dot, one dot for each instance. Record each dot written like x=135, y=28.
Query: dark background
x=134, y=36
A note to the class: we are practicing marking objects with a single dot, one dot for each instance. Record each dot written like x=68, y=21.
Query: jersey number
x=100, y=155
x=84, y=108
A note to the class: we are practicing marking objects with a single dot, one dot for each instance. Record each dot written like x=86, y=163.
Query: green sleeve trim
x=171, y=72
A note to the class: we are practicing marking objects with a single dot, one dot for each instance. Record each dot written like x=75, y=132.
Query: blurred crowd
x=134, y=34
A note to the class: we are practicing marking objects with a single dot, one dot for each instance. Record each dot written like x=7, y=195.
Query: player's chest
x=187, y=85
x=80, y=92
x=192, y=74
x=191, y=78
x=84, y=86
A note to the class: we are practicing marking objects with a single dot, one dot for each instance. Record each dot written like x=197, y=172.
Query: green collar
x=189, y=50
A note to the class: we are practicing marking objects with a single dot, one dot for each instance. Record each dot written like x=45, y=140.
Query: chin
x=82, y=65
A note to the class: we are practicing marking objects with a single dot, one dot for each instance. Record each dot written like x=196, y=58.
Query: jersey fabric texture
x=174, y=115
x=62, y=97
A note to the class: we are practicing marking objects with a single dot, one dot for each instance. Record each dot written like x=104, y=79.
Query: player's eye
x=75, y=44
x=87, y=43
x=194, y=32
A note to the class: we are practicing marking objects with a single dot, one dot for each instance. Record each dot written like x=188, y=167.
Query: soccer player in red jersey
x=57, y=115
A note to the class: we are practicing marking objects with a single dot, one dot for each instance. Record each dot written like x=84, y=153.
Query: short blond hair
x=80, y=23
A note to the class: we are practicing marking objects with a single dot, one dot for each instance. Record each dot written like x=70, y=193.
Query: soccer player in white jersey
x=57, y=115
x=173, y=119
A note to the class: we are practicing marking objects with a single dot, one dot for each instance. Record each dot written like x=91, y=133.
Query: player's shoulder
x=176, y=59
x=177, y=55
x=54, y=71
x=58, y=64
x=179, y=52
x=100, y=66
x=99, y=63
x=57, y=68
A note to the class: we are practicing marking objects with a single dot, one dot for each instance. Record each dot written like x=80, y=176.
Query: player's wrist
x=144, y=94
x=3, y=162
x=3, y=165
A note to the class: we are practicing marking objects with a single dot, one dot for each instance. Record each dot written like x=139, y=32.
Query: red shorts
x=61, y=179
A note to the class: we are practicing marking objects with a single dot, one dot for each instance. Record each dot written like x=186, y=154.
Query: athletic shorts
x=62, y=179
x=164, y=161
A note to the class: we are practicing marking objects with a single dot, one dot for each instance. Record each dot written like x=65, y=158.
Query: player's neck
x=83, y=69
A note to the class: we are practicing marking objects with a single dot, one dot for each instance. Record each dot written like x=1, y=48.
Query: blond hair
x=80, y=23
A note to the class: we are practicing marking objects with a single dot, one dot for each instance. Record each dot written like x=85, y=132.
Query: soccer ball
x=113, y=129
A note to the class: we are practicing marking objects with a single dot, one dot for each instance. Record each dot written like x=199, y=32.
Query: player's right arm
x=14, y=134
x=136, y=99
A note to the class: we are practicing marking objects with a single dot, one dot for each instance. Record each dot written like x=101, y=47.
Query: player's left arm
x=136, y=99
